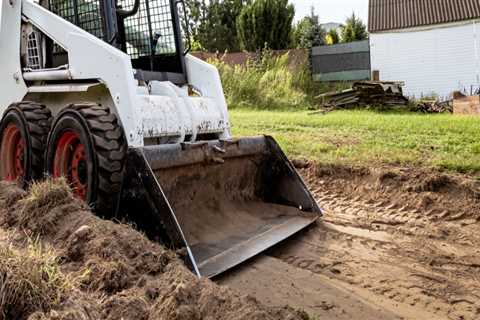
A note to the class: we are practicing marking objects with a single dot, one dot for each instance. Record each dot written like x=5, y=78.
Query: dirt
x=118, y=273
x=222, y=216
x=395, y=243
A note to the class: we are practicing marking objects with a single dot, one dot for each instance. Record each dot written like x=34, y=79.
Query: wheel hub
x=71, y=162
x=12, y=154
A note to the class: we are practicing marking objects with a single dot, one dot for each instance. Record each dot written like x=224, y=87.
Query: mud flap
x=224, y=201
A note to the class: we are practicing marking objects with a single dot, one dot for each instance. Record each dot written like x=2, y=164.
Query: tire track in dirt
x=404, y=243
x=424, y=259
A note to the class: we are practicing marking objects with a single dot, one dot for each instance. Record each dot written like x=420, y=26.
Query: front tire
x=23, y=135
x=87, y=147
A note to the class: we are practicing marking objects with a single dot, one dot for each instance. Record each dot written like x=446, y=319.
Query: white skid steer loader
x=103, y=93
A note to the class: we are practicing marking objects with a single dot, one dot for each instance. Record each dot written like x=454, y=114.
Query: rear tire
x=23, y=135
x=87, y=147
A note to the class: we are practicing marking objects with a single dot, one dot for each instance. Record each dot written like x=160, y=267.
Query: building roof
x=400, y=14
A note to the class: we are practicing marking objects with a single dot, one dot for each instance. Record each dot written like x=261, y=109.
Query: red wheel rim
x=71, y=162
x=12, y=154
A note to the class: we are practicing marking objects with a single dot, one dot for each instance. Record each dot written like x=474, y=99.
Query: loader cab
x=149, y=31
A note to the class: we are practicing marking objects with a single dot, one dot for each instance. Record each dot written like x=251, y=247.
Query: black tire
x=34, y=121
x=100, y=133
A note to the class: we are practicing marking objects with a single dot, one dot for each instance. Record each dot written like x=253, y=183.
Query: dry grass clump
x=30, y=280
x=42, y=206
x=46, y=195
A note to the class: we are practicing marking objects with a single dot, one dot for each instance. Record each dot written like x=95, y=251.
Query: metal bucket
x=224, y=201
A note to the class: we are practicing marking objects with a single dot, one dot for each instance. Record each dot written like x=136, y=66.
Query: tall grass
x=268, y=82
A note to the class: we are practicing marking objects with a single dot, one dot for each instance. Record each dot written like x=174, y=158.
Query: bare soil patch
x=395, y=243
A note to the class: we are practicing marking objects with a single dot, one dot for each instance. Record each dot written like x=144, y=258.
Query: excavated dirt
x=117, y=272
x=395, y=243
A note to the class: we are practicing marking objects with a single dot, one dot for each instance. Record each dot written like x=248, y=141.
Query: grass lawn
x=370, y=138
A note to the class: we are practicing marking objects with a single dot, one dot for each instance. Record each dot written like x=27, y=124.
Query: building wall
x=431, y=60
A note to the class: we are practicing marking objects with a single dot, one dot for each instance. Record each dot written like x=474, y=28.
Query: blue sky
x=331, y=10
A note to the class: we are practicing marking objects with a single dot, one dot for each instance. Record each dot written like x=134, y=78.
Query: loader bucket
x=224, y=201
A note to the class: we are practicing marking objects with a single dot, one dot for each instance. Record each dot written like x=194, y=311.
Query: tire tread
x=38, y=120
x=110, y=149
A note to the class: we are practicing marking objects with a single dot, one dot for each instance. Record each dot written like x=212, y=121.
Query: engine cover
x=169, y=113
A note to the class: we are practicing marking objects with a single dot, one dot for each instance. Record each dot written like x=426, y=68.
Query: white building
x=431, y=45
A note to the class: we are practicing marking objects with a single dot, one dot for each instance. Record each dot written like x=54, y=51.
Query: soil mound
x=118, y=272
x=445, y=197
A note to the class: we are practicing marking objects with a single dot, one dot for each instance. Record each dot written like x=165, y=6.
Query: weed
x=47, y=192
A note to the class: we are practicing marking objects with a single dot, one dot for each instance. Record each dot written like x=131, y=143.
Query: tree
x=354, y=29
x=265, y=23
x=332, y=37
x=196, y=15
x=308, y=32
x=299, y=32
x=213, y=25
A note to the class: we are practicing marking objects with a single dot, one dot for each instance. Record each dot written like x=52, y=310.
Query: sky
x=332, y=10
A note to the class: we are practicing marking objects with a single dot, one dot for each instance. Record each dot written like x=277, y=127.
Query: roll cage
x=149, y=31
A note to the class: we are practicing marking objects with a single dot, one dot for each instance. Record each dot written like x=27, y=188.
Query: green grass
x=370, y=138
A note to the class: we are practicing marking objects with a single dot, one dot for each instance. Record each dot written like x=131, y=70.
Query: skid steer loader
x=105, y=94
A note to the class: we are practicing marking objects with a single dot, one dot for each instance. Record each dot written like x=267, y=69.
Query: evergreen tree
x=308, y=32
x=354, y=29
x=265, y=23
x=213, y=23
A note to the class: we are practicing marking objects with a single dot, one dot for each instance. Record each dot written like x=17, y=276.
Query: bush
x=267, y=83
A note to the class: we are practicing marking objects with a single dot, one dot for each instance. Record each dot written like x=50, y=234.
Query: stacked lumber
x=365, y=93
